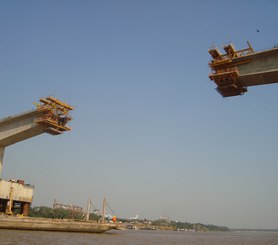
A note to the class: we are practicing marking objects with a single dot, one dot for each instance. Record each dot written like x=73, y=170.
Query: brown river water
x=9, y=237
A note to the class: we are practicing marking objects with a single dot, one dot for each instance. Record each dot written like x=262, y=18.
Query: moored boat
x=46, y=224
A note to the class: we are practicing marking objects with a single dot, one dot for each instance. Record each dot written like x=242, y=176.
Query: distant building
x=134, y=218
x=97, y=212
x=166, y=219
x=67, y=207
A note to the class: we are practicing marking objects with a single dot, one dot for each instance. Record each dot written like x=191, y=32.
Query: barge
x=61, y=225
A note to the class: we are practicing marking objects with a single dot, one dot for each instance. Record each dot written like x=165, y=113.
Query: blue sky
x=150, y=133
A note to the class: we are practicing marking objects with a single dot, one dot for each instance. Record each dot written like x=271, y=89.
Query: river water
x=129, y=237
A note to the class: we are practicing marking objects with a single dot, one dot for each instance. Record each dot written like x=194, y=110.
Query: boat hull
x=41, y=224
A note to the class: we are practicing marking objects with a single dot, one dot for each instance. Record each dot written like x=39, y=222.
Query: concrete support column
x=2, y=149
x=25, y=207
x=3, y=205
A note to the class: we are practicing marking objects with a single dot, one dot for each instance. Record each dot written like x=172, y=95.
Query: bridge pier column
x=25, y=209
x=2, y=149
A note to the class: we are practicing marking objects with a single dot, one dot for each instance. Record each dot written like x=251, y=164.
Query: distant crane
x=103, y=214
x=236, y=70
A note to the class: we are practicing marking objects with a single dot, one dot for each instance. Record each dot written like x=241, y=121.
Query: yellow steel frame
x=55, y=114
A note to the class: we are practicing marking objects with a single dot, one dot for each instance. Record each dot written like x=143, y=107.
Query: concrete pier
x=17, y=128
x=1, y=159
x=51, y=116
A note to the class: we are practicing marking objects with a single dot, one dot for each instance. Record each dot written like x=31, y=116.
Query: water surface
x=9, y=237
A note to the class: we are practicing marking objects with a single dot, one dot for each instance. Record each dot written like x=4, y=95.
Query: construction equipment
x=109, y=217
x=10, y=206
x=236, y=70
x=55, y=115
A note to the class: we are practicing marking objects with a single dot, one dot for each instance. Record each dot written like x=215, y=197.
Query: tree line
x=60, y=213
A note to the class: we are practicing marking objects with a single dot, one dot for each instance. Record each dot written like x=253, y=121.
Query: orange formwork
x=224, y=69
x=55, y=116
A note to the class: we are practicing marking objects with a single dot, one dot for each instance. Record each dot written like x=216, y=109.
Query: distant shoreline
x=268, y=230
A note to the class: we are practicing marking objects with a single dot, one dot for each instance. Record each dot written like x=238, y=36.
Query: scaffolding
x=55, y=115
x=224, y=69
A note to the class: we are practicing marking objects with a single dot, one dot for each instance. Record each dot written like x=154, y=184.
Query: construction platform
x=236, y=70
x=15, y=194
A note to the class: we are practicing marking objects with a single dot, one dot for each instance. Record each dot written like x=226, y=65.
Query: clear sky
x=150, y=132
